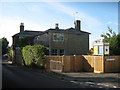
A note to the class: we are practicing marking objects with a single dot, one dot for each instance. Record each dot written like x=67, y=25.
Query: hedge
x=33, y=55
x=10, y=54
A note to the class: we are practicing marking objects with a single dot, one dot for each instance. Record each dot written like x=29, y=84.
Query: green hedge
x=10, y=54
x=33, y=55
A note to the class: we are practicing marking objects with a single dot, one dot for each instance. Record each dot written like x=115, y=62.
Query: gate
x=56, y=66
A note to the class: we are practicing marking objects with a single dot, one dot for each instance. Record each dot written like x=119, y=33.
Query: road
x=16, y=77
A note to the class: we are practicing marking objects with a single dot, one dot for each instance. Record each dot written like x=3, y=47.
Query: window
x=58, y=37
x=57, y=51
x=61, y=51
x=54, y=51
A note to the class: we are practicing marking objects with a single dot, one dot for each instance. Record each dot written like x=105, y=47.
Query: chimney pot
x=22, y=24
x=21, y=27
x=56, y=26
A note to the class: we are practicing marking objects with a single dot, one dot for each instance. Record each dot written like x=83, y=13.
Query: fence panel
x=56, y=66
x=68, y=63
x=98, y=64
x=78, y=66
x=88, y=63
x=54, y=63
x=95, y=64
x=112, y=64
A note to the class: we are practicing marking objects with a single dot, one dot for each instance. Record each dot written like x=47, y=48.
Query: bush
x=4, y=43
x=10, y=53
x=33, y=55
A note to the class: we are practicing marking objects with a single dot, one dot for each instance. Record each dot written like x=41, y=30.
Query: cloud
x=116, y=23
x=109, y=22
x=33, y=8
x=87, y=20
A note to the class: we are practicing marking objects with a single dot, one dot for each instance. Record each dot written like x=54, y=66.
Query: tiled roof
x=28, y=33
x=67, y=30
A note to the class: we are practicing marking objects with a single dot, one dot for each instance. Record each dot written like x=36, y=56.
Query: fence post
x=94, y=60
x=74, y=63
x=103, y=63
x=62, y=70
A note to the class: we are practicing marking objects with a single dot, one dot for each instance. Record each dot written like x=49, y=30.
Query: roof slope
x=28, y=33
x=67, y=30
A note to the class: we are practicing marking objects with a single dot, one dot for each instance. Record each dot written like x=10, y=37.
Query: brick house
x=28, y=35
x=70, y=41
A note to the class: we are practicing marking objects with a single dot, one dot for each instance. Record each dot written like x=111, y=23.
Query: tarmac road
x=15, y=77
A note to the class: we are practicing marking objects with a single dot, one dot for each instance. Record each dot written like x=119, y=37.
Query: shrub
x=10, y=54
x=33, y=55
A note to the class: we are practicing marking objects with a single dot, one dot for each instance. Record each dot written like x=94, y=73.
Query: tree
x=4, y=45
x=112, y=38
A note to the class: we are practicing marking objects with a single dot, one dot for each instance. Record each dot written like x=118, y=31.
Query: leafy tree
x=4, y=45
x=112, y=38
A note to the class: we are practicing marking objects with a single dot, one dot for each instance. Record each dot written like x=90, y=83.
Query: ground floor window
x=57, y=52
x=61, y=51
x=54, y=51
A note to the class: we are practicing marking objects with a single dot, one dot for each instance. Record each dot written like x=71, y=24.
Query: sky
x=41, y=15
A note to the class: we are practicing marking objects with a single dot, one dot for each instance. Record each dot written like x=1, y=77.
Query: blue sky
x=95, y=16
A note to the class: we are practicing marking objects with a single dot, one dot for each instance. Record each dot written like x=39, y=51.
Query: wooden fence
x=95, y=64
x=50, y=65
x=72, y=63
x=112, y=64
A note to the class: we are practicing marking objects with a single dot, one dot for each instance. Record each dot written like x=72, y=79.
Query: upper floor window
x=58, y=37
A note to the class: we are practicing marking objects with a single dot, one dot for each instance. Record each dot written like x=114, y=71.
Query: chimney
x=56, y=26
x=77, y=25
x=22, y=27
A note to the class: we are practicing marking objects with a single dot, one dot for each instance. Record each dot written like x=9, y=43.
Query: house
x=28, y=34
x=70, y=41
x=28, y=37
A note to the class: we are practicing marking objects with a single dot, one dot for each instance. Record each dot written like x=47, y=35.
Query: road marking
x=90, y=83
x=100, y=87
x=73, y=81
x=114, y=86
